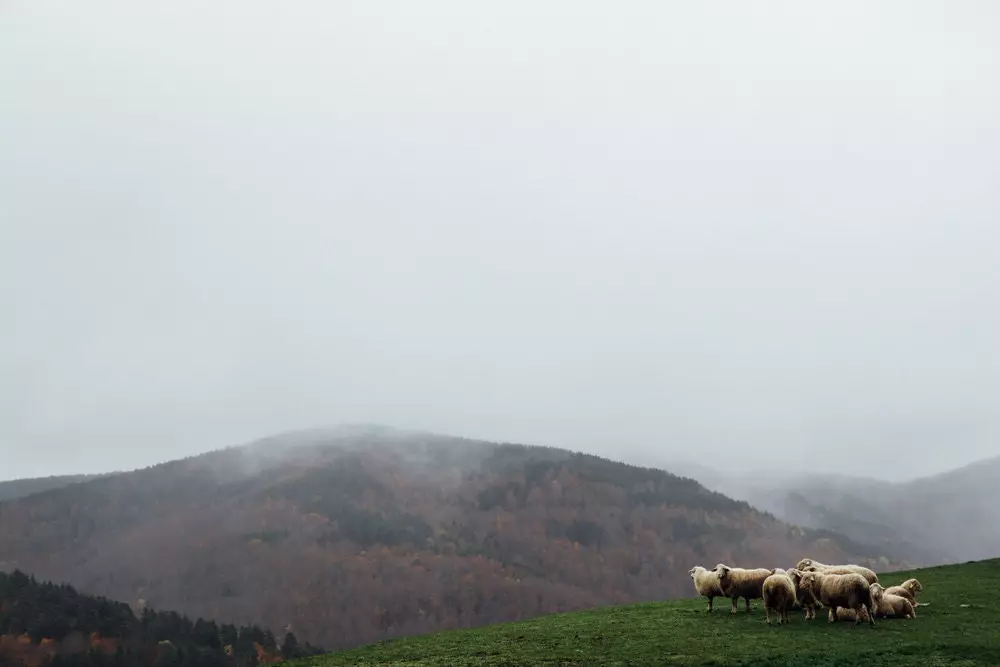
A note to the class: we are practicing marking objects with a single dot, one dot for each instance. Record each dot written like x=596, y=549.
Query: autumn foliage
x=351, y=539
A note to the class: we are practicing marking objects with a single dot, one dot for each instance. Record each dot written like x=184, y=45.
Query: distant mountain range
x=945, y=518
x=351, y=535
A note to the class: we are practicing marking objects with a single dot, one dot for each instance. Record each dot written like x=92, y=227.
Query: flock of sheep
x=850, y=592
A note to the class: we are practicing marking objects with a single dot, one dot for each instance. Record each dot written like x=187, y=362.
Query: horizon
x=683, y=466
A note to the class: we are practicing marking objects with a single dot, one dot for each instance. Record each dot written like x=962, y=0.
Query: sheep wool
x=706, y=583
x=810, y=565
x=841, y=590
x=778, y=592
x=737, y=583
x=804, y=596
x=908, y=589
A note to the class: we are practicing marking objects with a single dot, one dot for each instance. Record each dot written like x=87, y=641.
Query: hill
x=48, y=624
x=359, y=534
x=925, y=520
x=18, y=488
x=960, y=627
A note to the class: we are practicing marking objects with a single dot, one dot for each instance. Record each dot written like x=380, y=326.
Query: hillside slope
x=18, y=488
x=354, y=535
x=924, y=521
x=42, y=623
x=960, y=627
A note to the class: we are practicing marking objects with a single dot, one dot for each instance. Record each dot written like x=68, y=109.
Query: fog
x=718, y=232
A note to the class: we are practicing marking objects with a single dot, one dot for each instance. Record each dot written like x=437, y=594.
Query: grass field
x=961, y=627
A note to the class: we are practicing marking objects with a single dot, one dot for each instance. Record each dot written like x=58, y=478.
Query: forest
x=53, y=625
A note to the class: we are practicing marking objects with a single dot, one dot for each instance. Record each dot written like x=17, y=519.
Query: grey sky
x=652, y=230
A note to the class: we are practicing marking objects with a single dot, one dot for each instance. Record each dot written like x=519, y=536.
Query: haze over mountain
x=355, y=534
x=945, y=518
x=726, y=230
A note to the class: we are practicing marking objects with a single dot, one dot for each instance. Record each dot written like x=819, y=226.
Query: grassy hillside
x=358, y=535
x=961, y=627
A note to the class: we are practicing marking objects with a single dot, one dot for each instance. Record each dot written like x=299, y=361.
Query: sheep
x=803, y=596
x=844, y=614
x=889, y=605
x=908, y=589
x=841, y=590
x=737, y=583
x=810, y=565
x=706, y=582
x=778, y=592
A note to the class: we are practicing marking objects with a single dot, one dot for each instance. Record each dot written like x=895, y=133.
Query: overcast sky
x=729, y=231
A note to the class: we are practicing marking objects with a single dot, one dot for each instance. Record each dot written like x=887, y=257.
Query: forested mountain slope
x=353, y=535
x=18, y=488
x=950, y=517
x=46, y=624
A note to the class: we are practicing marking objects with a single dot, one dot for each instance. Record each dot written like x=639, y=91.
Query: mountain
x=18, y=488
x=50, y=624
x=949, y=517
x=353, y=535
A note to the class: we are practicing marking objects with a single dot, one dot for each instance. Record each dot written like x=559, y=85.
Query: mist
x=718, y=232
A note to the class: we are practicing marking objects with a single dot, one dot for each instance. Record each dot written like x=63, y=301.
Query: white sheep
x=778, y=592
x=810, y=565
x=706, y=582
x=737, y=583
x=908, y=589
x=841, y=590
x=804, y=596
x=889, y=605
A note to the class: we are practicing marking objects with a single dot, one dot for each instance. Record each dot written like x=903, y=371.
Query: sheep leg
x=767, y=615
x=863, y=610
x=748, y=604
x=710, y=598
x=735, y=602
x=833, y=613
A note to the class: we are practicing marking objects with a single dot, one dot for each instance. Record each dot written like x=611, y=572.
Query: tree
x=290, y=647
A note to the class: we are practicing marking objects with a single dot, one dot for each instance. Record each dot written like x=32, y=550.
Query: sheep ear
x=773, y=570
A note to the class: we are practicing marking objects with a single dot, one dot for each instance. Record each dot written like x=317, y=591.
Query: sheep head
x=803, y=564
x=810, y=580
x=913, y=586
x=723, y=571
x=877, y=591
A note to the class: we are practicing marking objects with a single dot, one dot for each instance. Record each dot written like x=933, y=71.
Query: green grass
x=681, y=633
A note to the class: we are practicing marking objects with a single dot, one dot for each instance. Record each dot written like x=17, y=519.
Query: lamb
x=889, y=605
x=706, y=582
x=803, y=596
x=841, y=590
x=844, y=614
x=778, y=592
x=810, y=565
x=737, y=583
x=908, y=589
